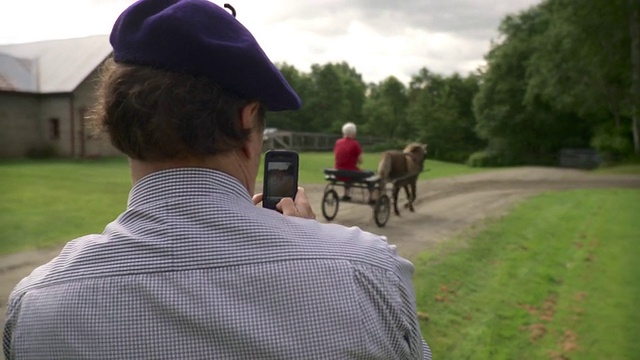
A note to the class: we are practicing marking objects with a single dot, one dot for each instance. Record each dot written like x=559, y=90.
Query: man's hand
x=299, y=207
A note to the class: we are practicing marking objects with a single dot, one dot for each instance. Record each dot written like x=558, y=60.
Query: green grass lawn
x=632, y=169
x=558, y=278
x=47, y=203
x=312, y=165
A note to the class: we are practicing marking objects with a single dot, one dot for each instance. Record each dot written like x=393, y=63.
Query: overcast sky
x=379, y=38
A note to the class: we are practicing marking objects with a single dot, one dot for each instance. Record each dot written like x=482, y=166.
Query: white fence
x=304, y=141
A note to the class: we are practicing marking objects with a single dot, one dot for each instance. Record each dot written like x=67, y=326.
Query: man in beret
x=193, y=269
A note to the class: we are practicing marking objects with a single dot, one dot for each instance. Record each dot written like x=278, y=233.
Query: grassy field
x=46, y=203
x=633, y=169
x=313, y=163
x=558, y=278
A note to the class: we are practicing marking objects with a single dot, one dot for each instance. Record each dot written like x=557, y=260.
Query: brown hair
x=152, y=114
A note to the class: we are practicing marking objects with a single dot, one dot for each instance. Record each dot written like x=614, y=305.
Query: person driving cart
x=348, y=154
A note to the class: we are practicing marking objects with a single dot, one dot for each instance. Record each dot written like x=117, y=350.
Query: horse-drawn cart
x=366, y=182
x=400, y=169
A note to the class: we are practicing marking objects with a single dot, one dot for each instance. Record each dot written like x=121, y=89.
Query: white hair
x=349, y=129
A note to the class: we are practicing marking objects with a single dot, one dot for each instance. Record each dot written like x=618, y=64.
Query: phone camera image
x=280, y=177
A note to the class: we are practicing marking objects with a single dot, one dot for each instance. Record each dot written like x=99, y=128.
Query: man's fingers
x=287, y=207
x=257, y=198
x=303, y=205
x=299, y=207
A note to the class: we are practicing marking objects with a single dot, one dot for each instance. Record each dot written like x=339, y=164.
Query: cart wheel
x=382, y=210
x=330, y=203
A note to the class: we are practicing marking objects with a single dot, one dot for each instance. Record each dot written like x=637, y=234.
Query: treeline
x=563, y=74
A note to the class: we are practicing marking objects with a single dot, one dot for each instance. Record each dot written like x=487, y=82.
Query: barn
x=46, y=91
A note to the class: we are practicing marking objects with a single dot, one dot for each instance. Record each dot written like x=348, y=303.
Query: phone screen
x=281, y=178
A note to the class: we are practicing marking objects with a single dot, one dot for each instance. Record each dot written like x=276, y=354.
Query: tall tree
x=294, y=120
x=517, y=128
x=328, y=99
x=441, y=111
x=385, y=110
x=589, y=72
x=354, y=92
x=634, y=30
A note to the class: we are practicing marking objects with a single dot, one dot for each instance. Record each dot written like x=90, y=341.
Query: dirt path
x=444, y=207
x=447, y=206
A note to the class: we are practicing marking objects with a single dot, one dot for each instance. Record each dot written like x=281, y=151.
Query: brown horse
x=402, y=168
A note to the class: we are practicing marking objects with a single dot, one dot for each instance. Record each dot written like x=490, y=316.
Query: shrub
x=614, y=143
x=392, y=144
x=485, y=159
x=459, y=157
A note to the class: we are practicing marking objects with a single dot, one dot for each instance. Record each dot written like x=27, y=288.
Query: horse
x=402, y=168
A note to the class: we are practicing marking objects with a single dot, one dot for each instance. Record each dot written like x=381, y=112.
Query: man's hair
x=153, y=114
x=349, y=129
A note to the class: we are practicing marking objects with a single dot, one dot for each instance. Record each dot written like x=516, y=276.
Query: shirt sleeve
x=404, y=271
x=389, y=311
x=409, y=308
x=9, y=326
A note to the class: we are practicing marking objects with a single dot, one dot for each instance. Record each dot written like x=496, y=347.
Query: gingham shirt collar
x=166, y=184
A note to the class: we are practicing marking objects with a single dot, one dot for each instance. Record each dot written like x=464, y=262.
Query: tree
x=293, y=120
x=521, y=128
x=331, y=95
x=385, y=110
x=441, y=111
x=354, y=90
x=591, y=73
x=634, y=30
x=328, y=100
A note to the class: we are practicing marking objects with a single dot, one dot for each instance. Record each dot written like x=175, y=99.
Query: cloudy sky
x=379, y=38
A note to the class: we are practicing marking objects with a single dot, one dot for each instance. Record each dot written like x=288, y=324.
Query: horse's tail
x=384, y=167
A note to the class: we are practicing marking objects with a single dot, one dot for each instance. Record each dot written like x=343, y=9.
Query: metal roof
x=52, y=66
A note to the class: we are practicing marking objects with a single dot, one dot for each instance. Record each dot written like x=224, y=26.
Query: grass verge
x=49, y=202
x=630, y=169
x=558, y=278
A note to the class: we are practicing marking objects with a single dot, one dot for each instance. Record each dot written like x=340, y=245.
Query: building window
x=54, y=128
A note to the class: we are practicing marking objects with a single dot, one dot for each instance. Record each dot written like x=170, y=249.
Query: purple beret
x=199, y=38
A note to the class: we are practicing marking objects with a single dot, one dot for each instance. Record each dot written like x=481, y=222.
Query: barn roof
x=51, y=66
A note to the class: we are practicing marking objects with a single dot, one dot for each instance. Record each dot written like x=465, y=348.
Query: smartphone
x=280, y=176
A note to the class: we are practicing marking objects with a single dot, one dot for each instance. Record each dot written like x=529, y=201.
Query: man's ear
x=249, y=115
x=249, y=120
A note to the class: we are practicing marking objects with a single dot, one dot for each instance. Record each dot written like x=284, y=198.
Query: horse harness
x=414, y=159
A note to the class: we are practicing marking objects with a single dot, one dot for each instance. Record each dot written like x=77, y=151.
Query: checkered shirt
x=193, y=270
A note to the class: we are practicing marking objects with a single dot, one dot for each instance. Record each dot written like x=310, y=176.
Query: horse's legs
x=396, y=190
x=410, y=190
x=409, y=199
x=413, y=196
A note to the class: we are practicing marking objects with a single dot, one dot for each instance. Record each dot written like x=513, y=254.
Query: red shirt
x=346, y=153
